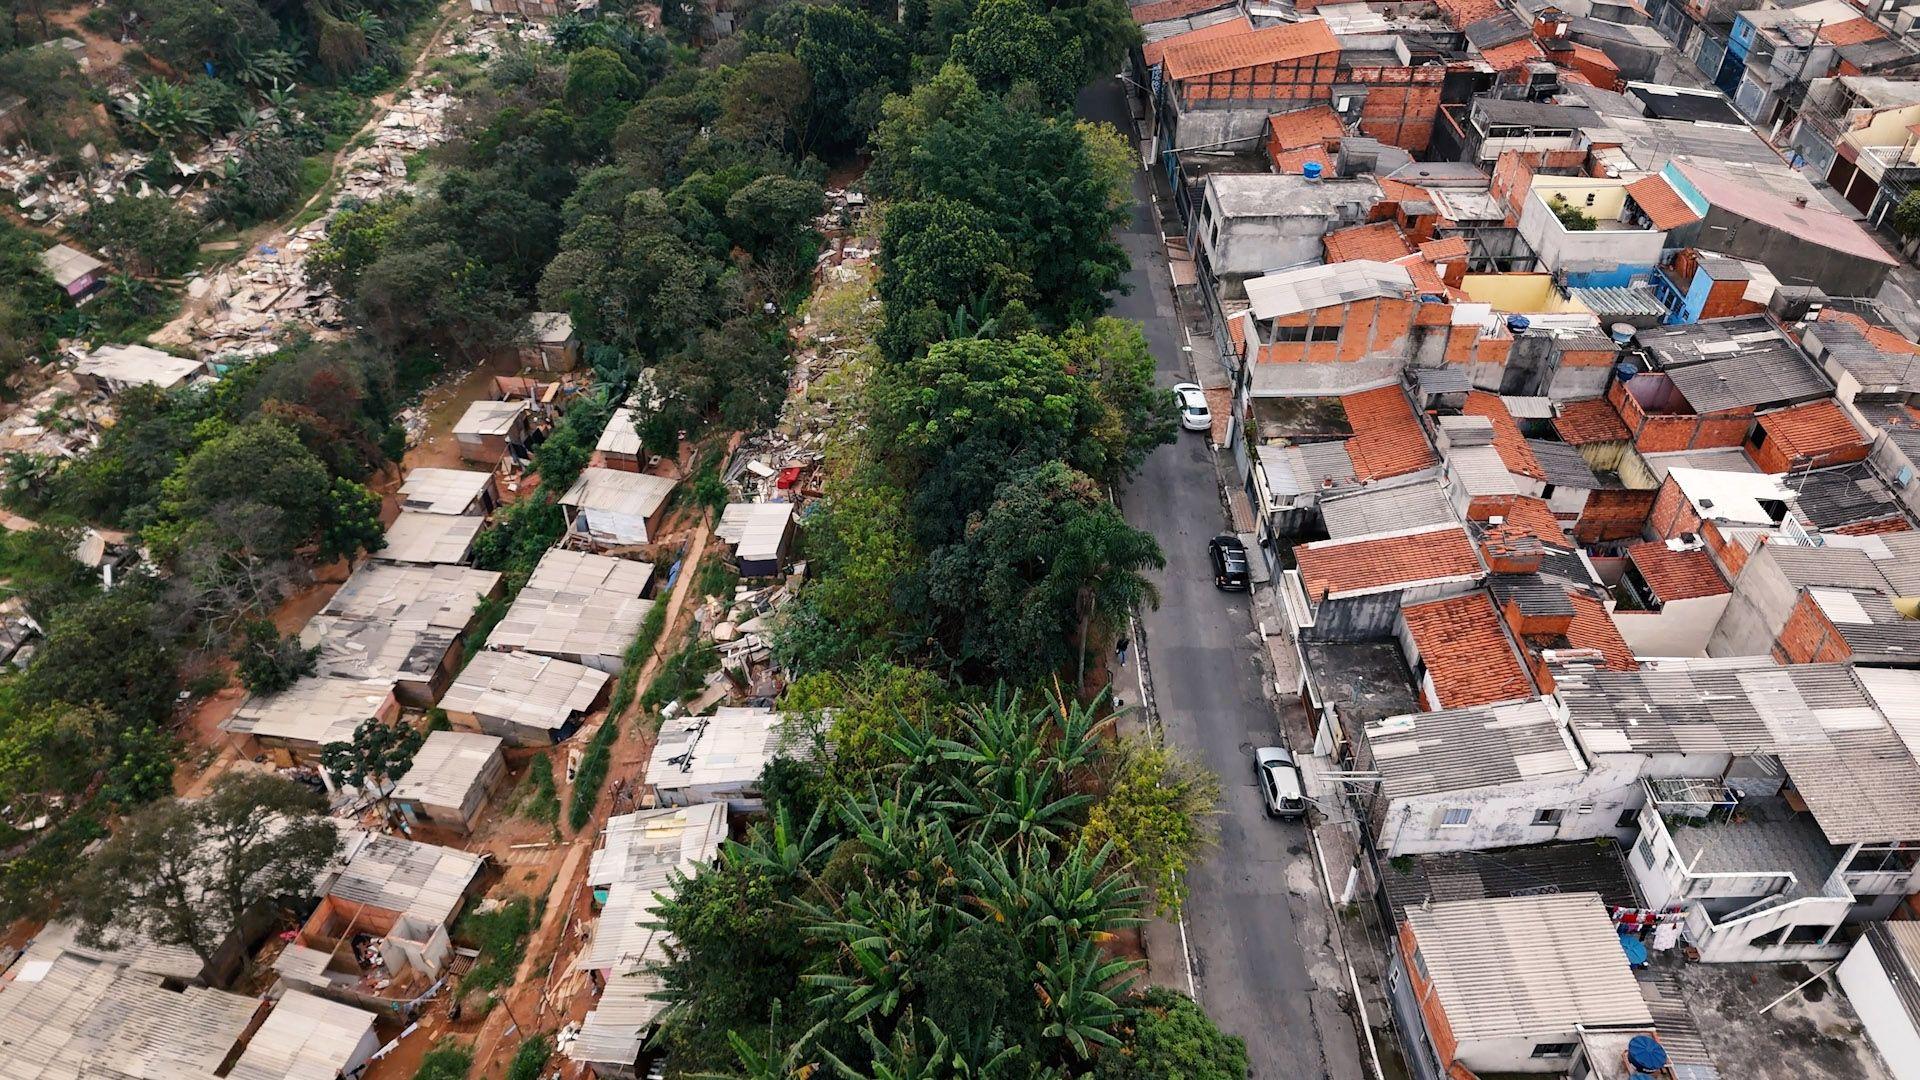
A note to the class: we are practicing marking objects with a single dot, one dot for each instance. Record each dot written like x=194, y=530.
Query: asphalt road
x=1202, y=651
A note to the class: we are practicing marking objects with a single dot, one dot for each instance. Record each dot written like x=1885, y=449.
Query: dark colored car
x=1229, y=557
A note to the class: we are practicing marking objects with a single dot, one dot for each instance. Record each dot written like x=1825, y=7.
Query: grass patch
x=717, y=577
x=486, y=617
x=530, y=1059
x=448, y=1061
x=592, y=773
x=537, y=799
x=501, y=937
x=682, y=676
x=638, y=650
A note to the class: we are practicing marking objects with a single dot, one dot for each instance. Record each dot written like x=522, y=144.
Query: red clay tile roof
x=1676, y=575
x=1392, y=191
x=1663, y=205
x=1425, y=278
x=1513, y=54
x=1294, y=162
x=1155, y=51
x=1465, y=651
x=1593, y=628
x=1174, y=9
x=1587, y=54
x=1535, y=518
x=1363, y=563
x=1852, y=32
x=1818, y=427
x=1379, y=242
x=1880, y=337
x=1461, y=12
x=1506, y=434
x=1387, y=437
x=1304, y=127
x=1590, y=420
x=1268, y=45
x=1449, y=247
x=1876, y=527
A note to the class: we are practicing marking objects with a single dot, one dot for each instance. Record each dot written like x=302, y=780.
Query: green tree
x=853, y=62
x=1171, y=1036
x=1048, y=562
x=356, y=238
x=766, y=100
x=105, y=650
x=1010, y=44
x=773, y=216
x=947, y=255
x=1136, y=416
x=1906, y=216
x=1154, y=809
x=350, y=523
x=376, y=756
x=853, y=712
x=270, y=662
x=189, y=873
x=260, y=473
x=143, y=234
x=186, y=33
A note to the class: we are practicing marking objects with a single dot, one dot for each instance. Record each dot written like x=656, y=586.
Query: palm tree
x=163, y=114
x=1079, y=996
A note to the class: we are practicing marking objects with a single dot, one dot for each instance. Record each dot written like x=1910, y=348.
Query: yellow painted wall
x=1520, y=294
x=1609, y=196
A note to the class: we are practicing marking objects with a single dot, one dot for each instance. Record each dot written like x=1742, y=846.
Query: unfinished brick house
x=1275, y=68
x=1708, y=381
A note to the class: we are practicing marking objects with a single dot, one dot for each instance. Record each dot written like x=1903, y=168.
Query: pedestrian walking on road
x=1120, y=651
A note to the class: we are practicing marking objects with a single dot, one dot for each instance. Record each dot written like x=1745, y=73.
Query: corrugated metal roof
x=619, y=436
x=132, y=950
x=413, y=596
x=1381, y=508
x=425, y=881
x=1463, y=749
x=67, y=264
x=1563, y=465
x=449, y=765
x=1290, y=292
x=371, y=649
x=303, y=1038
x=758, y=530
x=137, y=365
x=566, y=571
x=1305, y=468
x=317, y=710
x=490, y=418
x=550, y=327
x=1480, y=470
x=520, y=688
x=1526, y=966
x=599, y=623
x=416, y=537
x=71, y=1018
x=443, y=491
x=635, y=495
x=732, y=746
x=1618, y=301
x=637, y=860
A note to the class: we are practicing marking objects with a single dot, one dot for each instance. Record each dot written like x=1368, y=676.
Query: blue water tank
x=1311, y=170
x=1518, y=323
x=1625, y=370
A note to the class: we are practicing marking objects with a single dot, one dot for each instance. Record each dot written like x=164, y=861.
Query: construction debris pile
x=61, y=421
x=57, y=202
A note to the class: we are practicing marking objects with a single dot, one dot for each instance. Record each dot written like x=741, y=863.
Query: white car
x=1281, y=791
x=1192, y=403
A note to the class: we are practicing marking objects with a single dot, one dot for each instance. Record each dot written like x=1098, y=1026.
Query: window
x=1554, y=1050
x=1455, y=816
x=1804, y=934
x=1759, y=436
x=1644, y=849
x=1306, y=333
x=1546, y=491
x=1628, y=819
x=1547, y=817
x=1420, y=965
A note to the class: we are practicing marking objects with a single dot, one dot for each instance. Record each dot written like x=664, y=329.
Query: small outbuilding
x=78, y=274
x=551, y=344
x=111, y=369
x=490, y=430
x=450, y=491
x=420, y=537
x=1881, y=976
x=719, y=758
x=452, y=777
x=759, y=533
x=609, y=509
x=619, y=446
x=591, y=626
x=295, y=723
x=523, y=698
x=308, y=1038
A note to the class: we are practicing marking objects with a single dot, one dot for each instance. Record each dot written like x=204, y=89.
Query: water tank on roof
x=1311, y=170
x=1518, y=323
x=1625, y=370
x=1621, y=332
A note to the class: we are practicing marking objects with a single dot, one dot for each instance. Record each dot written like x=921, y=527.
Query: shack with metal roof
x=452, y=777
x=524, y=698
x=404, y=623
x=111, y=369
x=419, y=537
x=550, y=343
x=759, y=533
x=293, y=724
x=489, y=431
x=69, y=1017
x=308, y=1038
x=608, y=509
x=718, y=758
x=381, y=928
x=78, y=274
x=449, y=491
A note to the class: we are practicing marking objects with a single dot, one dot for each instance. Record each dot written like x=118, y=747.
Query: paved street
x=1256, y=898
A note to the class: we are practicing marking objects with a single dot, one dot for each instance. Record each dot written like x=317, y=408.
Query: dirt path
x=543, y=988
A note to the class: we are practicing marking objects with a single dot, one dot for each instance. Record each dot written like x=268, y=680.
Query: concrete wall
x=1679, y=628
x=1873, y=997
x=1761, y=601
x=1732, y=943
x=1372, y=616
x=1503, y=816
x=1793, y=261
x=1514, y=1055
x=1601, y=257
x=1893, y=463
x=1242, y=247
